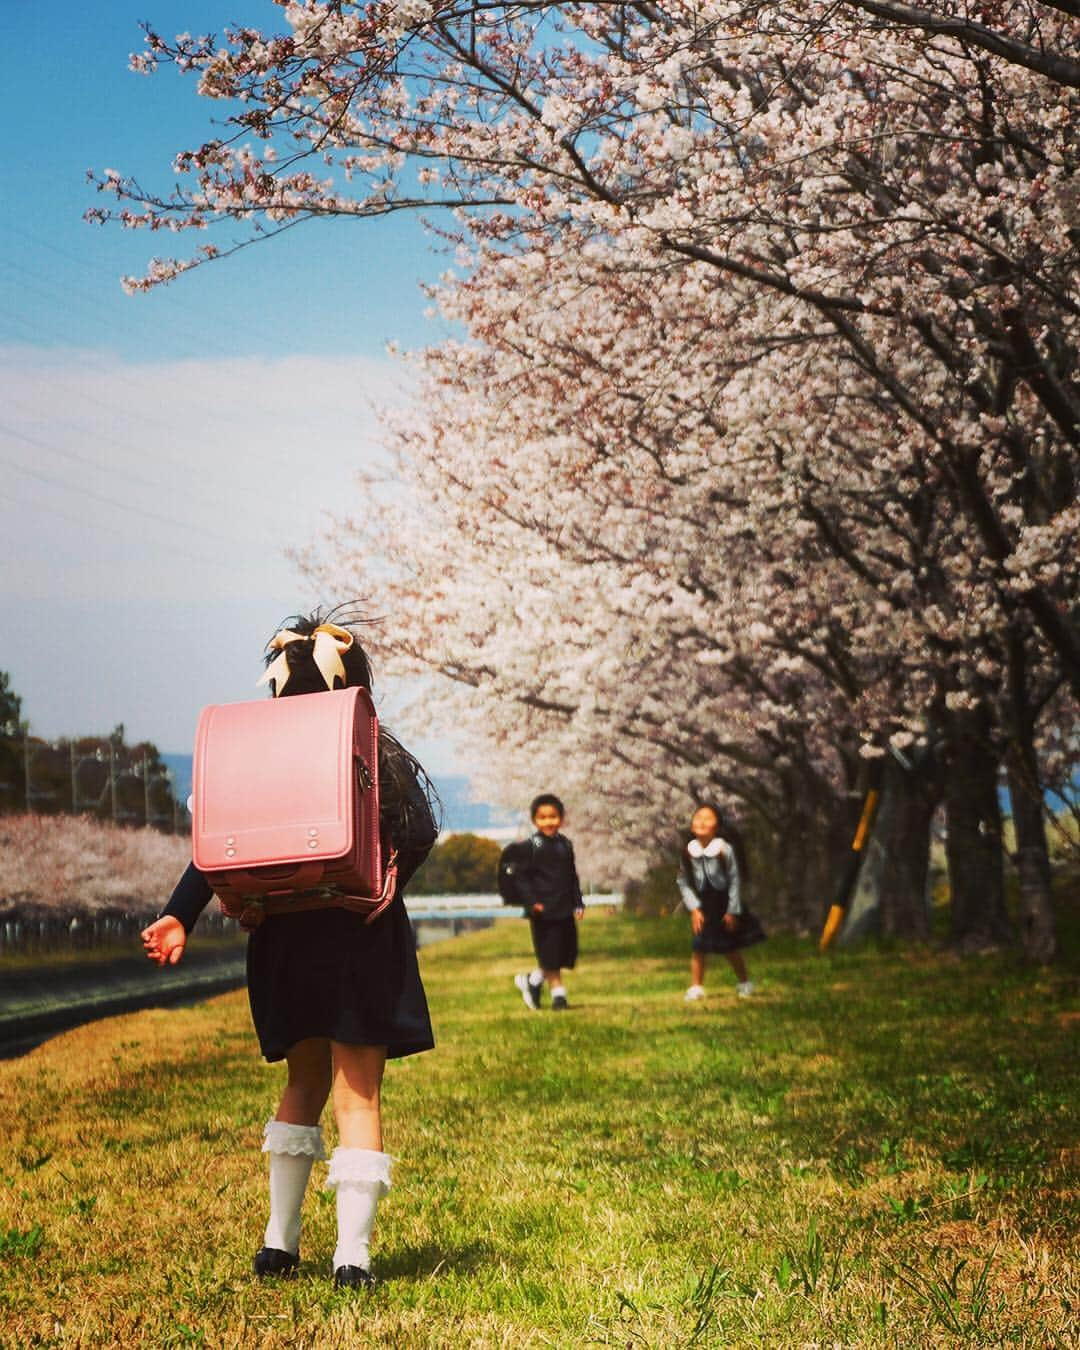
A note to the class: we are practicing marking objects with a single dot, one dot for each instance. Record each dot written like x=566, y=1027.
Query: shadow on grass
x=428, y=1258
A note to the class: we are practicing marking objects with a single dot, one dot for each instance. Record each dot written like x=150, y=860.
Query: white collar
x=711, y=849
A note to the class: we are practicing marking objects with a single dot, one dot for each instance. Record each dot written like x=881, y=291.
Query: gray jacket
x=720, y=871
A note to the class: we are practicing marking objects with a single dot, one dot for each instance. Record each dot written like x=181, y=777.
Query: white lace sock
x=292, y=1149
x=361, y=1177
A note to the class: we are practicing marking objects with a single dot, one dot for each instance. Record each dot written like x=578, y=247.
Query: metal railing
x=51, y=934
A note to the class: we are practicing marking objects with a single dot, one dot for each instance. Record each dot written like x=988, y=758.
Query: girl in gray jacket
x=709, y=882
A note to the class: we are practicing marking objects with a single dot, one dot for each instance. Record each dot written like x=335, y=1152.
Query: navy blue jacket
x=544, y=872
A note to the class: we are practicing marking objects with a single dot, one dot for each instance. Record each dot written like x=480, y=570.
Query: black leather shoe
x=353, y=1277
x=273, y=1261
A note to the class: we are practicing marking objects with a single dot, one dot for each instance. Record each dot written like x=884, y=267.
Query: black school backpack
x=513, y=860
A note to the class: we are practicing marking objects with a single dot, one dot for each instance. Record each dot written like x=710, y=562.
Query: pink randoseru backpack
x=285, y=806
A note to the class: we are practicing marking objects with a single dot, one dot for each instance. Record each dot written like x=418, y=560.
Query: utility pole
x=175, y=805
x=112, y=776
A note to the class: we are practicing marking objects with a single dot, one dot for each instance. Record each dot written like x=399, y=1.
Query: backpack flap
x=275, y=782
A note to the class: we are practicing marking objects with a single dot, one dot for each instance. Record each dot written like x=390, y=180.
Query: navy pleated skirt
x=326, y=973
x=715, y=938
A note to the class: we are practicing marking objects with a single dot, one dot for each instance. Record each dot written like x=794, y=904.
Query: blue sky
x=160, y=454
x=329, y=287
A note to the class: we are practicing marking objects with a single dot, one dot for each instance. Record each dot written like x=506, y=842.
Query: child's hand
x=164, y=941
x=579, y=913
x=537, y=909
x=731, y=922
x=697, y=921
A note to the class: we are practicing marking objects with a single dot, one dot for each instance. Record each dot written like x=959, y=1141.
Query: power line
x=162, y=545
x=115, y=371
x=120, y=506
x=250, y=494
x=201, y=341
x=76, y=458
x=173, y=550
x=66, y=515
x=135, y=478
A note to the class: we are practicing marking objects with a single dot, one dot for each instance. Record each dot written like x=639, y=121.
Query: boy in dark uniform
x=545, y=882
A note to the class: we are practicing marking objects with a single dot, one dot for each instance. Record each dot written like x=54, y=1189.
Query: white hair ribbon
x=329, y=641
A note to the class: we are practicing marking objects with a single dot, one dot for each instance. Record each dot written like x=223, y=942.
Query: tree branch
x=1054, y=67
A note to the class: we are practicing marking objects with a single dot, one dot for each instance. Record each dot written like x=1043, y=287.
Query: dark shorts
x=715, y=938
x=555, y=943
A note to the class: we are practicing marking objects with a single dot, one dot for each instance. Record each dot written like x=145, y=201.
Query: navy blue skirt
x=714, y=938
x=326, y=973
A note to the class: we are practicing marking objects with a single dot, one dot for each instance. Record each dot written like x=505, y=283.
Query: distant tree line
x=100, y=776
x=464, y=864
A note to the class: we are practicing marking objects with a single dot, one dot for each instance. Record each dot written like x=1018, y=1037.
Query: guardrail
x=438, y=917
x=487, y=906
x=50, y=934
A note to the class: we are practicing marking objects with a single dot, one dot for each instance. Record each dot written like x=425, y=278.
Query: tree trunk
x=1026, y=793
x=973, y=841
x=810, y=850
x=913, y=795
x=1032, y=859
x=798, y=846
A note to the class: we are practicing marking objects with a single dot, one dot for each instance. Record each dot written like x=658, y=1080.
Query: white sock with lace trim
x=292, y=1149
x=361, y=1177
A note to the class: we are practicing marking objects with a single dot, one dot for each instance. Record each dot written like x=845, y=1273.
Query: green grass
x=878, y=1150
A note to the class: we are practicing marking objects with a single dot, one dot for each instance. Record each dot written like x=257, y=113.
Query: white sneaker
x=530, y=992
x=745, y=988
x=695, y=992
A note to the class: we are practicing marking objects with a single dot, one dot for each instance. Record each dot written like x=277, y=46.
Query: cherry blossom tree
x=829, y=495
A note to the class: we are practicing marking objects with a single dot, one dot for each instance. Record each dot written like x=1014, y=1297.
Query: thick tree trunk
x=913, y=795
x=1032, y=859
x=811, y=847
x=799, y=849
x=1026, y=793
x=973, y=840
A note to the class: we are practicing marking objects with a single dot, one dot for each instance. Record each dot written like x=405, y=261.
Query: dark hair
x=726, y=829
x=401, y=775
x=304, y=675
x=546, y=799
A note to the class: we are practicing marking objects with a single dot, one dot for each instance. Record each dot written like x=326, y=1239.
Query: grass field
x=877, y=1150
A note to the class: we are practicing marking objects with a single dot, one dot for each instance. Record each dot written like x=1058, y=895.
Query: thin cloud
x=149, y=513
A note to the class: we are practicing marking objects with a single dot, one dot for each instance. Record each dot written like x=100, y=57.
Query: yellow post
x=869, y=807
x=837, y=911
x=832, y=924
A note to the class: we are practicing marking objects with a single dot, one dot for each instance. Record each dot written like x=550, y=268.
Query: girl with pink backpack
x=334, y=991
